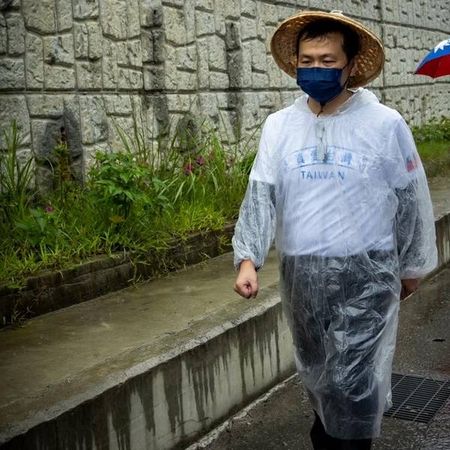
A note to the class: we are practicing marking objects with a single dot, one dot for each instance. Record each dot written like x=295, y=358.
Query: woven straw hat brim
x=369, y=60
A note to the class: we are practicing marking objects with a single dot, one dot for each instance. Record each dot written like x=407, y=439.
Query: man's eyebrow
x=326, y=55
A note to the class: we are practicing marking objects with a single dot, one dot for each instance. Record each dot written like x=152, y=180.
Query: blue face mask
x=320, y=83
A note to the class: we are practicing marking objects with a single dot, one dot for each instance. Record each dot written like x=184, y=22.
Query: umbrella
x=437, y=62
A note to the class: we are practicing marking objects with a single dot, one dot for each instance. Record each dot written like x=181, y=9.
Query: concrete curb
x=442, y=225
x=51, y=291
x=169, y=401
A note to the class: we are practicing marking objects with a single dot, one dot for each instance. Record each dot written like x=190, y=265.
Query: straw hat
x=369, y=60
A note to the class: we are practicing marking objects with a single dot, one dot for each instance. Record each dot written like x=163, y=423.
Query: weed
x=137, y=200
x=15, y=178
x=437, y=130
x=433, y=143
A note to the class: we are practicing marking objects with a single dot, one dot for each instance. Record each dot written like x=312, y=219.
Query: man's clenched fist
x=247, y=280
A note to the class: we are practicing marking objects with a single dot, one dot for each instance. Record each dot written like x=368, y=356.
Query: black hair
x=322, y=27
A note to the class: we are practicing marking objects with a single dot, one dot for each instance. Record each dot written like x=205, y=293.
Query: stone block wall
x=89, y=66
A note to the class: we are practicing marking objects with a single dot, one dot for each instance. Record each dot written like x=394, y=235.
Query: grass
x=434, y=150
x=138, y=199
x=436, y=158
x=433, y=144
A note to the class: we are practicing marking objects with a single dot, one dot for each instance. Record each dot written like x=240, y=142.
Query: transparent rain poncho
x=346, y=198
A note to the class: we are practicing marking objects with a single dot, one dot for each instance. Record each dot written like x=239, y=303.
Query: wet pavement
x=282, y=418
x=71, y=355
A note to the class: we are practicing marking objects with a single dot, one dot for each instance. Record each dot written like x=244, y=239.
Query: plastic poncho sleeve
x=414, y=220
x=255, y=229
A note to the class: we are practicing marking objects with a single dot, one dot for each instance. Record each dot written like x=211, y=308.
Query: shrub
x=437, y=130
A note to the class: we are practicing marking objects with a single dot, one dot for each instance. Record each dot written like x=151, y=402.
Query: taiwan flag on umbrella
x=437, y=62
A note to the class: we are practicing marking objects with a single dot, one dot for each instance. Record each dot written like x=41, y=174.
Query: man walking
x=338, y=183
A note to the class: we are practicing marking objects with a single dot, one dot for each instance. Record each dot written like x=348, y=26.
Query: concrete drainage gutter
x=168, y=400
x=199, y=378
x=51, y=291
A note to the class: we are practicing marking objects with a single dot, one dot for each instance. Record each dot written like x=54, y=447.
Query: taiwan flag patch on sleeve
x=412, y=163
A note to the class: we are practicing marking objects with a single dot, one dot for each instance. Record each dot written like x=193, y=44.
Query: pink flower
x=188, y=169
x=49, y=209
x=200, y=160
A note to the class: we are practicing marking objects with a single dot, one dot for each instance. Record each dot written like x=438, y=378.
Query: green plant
x=137, y=200
x=38, y=226
x=62, y=172
x=435, y=157
x=437, y=130
x=121, y=181
x=433, y=144
x=16, y=175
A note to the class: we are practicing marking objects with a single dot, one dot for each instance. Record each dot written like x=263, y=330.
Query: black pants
x=323, y=441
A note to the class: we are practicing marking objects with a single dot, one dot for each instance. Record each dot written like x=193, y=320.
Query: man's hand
x=247, y=280
x=409, y=285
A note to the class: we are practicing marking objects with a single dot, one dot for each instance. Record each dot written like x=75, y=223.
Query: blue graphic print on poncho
x=337, y=157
